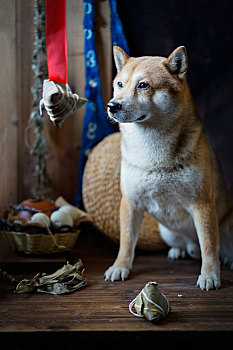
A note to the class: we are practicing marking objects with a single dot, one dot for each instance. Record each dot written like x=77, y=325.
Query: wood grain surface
x=103, y=306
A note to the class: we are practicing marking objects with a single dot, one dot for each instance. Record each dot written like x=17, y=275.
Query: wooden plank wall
x=65, y=143
x=16, y=38
x=9, y=173
x=24, y=47
x=8, y=102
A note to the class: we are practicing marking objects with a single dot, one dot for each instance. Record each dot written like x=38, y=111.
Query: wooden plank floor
x=102, y=307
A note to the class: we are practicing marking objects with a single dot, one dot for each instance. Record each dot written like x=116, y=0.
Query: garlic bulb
x=41, y=218
x=58, y=219
x=71, y=210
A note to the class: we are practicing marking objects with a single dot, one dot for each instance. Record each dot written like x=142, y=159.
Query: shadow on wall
x=205, y=28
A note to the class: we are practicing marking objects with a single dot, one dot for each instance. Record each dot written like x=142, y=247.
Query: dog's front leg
x=130, y=224
x=207, y=228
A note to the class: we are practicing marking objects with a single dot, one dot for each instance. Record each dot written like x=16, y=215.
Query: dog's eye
x=143, y=86
x=120, y=85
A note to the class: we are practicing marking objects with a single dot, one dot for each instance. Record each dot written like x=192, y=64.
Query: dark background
x=205, y=28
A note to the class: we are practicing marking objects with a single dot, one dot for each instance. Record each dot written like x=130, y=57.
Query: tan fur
x=168, y=167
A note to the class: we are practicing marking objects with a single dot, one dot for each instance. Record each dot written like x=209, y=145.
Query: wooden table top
x=103, y=306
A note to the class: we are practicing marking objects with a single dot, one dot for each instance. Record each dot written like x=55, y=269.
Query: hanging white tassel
x=59, y=101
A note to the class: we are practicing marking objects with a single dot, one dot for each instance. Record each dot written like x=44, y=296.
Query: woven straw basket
x=41, y=243
x=102, y=195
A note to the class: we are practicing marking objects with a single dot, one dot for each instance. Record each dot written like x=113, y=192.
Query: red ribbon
x=56, y=43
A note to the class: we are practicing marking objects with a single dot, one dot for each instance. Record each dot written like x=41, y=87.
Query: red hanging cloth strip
x=56, y=43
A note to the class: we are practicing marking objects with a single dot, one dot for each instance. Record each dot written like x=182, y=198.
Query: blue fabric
x=96, y=126
x=118, y=37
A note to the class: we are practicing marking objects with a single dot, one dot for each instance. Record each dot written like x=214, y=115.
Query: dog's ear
x=177, y=62
x=120, y=57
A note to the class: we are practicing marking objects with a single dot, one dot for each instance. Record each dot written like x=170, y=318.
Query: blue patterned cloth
x=118, y=37
x=95, y=125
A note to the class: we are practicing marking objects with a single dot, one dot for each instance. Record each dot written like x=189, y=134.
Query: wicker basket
x=41, y=243
x=102, y=195
x=33, y=238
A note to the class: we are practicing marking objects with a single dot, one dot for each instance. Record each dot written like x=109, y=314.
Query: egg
x=41, y=218
x=71, y=210
x=59, y=218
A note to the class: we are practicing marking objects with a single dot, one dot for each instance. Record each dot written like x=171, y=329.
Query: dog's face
x=147, y=88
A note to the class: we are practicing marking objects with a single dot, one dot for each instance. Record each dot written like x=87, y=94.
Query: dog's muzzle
x=117, y=113
x=114, y=107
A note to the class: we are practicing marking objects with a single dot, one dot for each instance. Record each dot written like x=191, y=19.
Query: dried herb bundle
x=65, y=280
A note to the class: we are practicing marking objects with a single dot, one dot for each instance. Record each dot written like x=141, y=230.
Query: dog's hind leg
x=130, y=224
x=175, y=241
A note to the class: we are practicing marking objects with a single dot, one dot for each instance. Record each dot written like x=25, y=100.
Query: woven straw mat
x=102, y=195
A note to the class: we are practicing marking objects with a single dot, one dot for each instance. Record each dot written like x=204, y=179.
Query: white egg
x=71, y=210
x=59, y=218
x=41, y=218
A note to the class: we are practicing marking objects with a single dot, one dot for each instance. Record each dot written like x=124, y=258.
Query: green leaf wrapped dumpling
x=150, y=303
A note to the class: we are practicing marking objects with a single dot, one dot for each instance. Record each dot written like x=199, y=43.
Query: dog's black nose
x=114, y=106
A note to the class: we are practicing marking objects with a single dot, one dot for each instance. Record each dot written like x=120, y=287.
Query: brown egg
x=45, y=205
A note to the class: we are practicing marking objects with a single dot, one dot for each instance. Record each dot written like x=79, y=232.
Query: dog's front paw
x=208, y=282
x=114, y=273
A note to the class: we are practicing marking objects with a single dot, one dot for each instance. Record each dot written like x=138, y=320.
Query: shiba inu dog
x=168, y=168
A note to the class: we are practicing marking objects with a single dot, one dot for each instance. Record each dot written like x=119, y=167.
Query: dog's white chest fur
x=149, y=184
